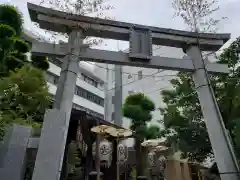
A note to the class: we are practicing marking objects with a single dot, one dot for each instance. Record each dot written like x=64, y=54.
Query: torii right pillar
x=224, y=154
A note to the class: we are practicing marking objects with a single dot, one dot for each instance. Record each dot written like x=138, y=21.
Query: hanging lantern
x=152, y=159
x=122, y=153
x=162, y=163
x=105, y=153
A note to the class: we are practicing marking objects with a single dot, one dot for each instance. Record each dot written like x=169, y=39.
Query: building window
x=55, y=61
x=90, y=80
x=51, y=78
x=101, y=85
x=89, y=96
x=88, y=111
x=129, y=76
x=140, y=75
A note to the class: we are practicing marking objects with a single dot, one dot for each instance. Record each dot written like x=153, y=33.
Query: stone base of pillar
x=13, y=153
x=51, y=146
x=93, y=175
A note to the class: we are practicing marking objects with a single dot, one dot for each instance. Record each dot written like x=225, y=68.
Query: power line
x=130, y=82
x=151, y=75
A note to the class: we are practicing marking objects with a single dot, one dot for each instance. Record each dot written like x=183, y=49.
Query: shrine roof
x=77, y=113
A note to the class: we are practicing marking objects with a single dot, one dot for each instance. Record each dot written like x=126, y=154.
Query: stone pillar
x=48, y=165
x=118, y=96
x=13, y=153
x=218, y=136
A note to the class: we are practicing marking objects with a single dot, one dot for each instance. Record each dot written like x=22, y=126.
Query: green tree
x=23, y=96
x=183, y=118
x=138, y=107
x=153, y=132
x=12, y=48
x=23, y=91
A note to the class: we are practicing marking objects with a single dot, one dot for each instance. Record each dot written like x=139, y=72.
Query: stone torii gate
x=56, y=121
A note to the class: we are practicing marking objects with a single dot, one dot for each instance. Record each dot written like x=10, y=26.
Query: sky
x=148, y=12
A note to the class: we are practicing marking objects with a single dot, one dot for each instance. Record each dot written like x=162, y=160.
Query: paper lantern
x=105, y=153
x=122, y=153
x=162, y=163
x=152, y=159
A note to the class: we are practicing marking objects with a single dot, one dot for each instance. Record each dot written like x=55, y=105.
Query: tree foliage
x=23, y=90
x=23, y=96
x=138, y=108
x=197, y=14
x=10, y=16
x=183, y=111
x=12, y=48
x=182, y=115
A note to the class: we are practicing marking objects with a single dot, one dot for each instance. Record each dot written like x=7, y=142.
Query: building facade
x=89, y=92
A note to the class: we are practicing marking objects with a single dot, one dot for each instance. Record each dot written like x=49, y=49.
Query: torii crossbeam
x=52, y=143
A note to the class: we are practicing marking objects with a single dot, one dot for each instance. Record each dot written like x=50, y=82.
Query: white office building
x=89, y=94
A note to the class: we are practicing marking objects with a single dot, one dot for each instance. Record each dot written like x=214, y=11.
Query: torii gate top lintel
x=59, y=21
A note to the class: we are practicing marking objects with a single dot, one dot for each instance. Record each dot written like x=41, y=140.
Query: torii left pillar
x=49, y=160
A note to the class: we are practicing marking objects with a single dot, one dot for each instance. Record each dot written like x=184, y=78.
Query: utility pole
x=108, y=95
x=118, y=96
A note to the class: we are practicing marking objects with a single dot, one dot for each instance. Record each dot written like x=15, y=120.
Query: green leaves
x=23, y=95
x=138, y=108
x=21, y=46
x=140, y=100
x=183, y=115
x=40, y=62
x=9, y=15
x=153, y=132
x=23, y=89
x=6, y=31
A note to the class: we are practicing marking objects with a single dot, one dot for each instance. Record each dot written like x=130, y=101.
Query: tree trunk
x=139, y=167
x=113, y=171
x=89, y=159
x=144, y=161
